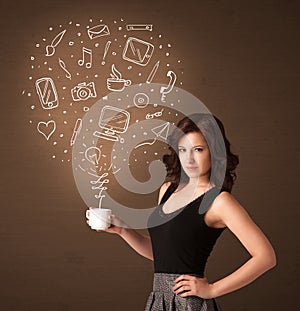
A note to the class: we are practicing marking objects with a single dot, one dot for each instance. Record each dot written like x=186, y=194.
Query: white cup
x=99, y=218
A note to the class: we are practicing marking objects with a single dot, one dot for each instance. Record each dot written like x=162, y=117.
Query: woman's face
x=194, y=155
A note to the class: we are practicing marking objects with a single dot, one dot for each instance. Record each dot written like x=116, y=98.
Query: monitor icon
x=113, y=121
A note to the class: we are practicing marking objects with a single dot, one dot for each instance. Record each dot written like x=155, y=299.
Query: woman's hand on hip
x=188, y=285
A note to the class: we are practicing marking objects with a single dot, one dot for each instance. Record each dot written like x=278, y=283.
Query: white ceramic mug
x=99, y=218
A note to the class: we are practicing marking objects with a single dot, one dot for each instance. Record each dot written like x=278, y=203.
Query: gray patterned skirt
x=162, y=298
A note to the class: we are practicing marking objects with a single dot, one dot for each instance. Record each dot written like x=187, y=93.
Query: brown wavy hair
x=223, y=161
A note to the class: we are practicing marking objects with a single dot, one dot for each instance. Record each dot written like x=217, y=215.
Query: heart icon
x=46, y=128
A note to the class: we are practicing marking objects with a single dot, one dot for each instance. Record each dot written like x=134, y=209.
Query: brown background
x=241, y=58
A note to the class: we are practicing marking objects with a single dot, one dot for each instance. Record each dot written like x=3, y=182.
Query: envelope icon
x=98, y=31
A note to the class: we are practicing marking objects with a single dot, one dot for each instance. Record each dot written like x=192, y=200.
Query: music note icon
x=86, y=53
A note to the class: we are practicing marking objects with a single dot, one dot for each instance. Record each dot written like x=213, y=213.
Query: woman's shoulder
x=225, y=205
x=163, y=190
x=165, y=186
x=224, y=197
x=220, y=209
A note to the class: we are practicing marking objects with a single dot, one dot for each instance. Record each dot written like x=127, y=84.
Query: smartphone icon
x=138, y=51
x=47, y=93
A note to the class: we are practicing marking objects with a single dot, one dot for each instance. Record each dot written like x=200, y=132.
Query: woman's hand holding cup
x=102, y=220
x=117, y=225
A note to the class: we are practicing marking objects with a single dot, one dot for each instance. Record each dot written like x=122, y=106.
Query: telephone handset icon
x=164, y=90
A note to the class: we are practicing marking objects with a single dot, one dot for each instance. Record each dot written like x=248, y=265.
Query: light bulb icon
x=93, y=155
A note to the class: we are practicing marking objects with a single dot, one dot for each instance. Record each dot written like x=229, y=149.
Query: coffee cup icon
x=115, y=84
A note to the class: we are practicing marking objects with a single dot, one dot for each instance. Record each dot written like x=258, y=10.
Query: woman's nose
x=190, y=157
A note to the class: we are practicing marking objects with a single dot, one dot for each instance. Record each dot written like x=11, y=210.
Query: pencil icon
x=76, y=130
x=152, y=73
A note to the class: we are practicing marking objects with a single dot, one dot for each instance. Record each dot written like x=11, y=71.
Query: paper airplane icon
x=162, y=130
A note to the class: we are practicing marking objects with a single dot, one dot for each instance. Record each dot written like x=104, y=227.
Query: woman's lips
x=191, y=168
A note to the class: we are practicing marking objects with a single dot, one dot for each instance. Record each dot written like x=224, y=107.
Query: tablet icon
x=137, y=51
x=47, y=93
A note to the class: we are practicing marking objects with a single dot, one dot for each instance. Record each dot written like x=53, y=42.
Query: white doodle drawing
x=115, y=82
x=161, y=131
x=76, y=131
x=107, y=45
x=93, y=155
x=110, y=166
x=64, y=67
x=81, y=168
x=83, y=91
x=46, y=128
x=156, y=114
x=50, y=49
x=117, y=171
x=86, y=54
x=153, y=72
x=113, y=121
x=98, y=31
x=141, y=100
x=137, y=51
x=100, y=181
x=148, y=27
x=100, y=196
x=164, y=90
x=47, y=93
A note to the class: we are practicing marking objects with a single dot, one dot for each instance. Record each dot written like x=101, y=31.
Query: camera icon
x=83, y=91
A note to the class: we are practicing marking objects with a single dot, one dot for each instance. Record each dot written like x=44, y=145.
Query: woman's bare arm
x=139, y=242
x=226, y=211
x=263, y=257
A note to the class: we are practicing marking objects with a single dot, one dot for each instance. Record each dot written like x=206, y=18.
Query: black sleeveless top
x=181, y=240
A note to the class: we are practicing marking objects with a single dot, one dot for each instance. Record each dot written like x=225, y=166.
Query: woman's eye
x=181, y=149
x=198, y=149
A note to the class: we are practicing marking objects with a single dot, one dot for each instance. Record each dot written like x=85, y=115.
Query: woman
x=195, y=206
